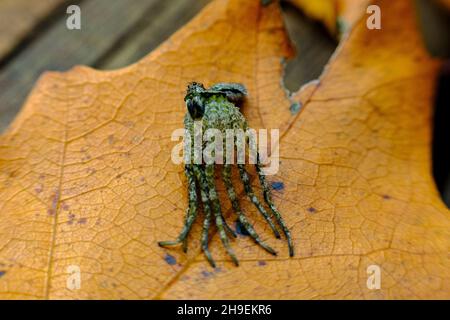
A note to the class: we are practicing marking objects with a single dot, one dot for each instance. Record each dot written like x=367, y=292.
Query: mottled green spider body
x=217, y=108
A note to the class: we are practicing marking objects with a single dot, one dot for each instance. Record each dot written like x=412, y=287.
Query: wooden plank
x=104, y=23
x=18, y=18
x=155, y=28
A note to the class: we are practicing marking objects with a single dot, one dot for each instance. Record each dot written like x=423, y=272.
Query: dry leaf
x=338, y=16
x=86, y=178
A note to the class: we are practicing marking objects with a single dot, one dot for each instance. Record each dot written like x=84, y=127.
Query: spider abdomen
x=222, y=115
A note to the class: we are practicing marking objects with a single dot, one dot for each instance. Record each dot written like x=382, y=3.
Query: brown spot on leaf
x=312, y=210
x=111, y=139
x=54, y=203
x=39, y=188
x=14, y=174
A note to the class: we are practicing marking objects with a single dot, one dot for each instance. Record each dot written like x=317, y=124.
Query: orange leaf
x=86, y=179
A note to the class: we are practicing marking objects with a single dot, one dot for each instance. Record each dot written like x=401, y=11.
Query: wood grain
x=103, y=23
x=18, y=18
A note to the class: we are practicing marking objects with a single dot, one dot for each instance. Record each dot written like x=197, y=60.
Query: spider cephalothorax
x=217, y=108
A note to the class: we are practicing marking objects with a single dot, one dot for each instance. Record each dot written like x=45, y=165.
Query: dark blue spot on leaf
x=277, y=185
x=295, y=108
x=261, y=263
x=2, y=273
x=206, y=274
x=240, y=229
x=312, y=210
x=170, y=259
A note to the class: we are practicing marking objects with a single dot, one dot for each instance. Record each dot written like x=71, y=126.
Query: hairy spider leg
x=228, y=228
x=276, y=213
x=226, y=175
x=208, y=179
x=205, y=190
x=207, y=212
x=254, y=199
x=187, y=215
x=191, y=211
x=204, y=240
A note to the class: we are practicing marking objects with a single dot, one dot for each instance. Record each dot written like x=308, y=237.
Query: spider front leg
x=226, y=175
x=276, y=213
x=191, y=211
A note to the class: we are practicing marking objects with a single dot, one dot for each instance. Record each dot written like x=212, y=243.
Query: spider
x=218, y=108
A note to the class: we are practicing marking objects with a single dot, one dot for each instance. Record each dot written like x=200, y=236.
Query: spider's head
x=194, y=100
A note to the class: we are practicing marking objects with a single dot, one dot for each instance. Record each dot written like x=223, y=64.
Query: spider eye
x=195, y=108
